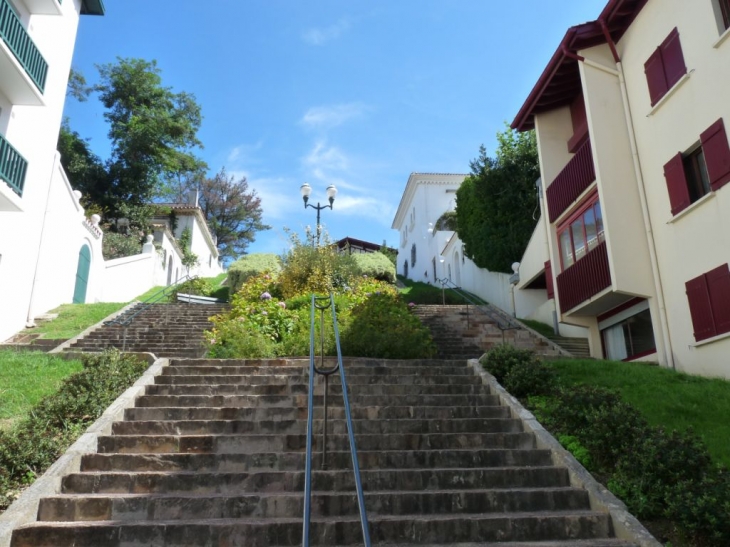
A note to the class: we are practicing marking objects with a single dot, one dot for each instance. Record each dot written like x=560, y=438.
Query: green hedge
x=659, y=474
x=375, y=265
x=249, y=266
x=29, y=447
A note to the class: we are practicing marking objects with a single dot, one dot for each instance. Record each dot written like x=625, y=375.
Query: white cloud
x=319, y=36
x=332, y=116
x=365, y=207
x=244, y=154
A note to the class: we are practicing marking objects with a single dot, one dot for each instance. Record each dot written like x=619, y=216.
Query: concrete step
x=561, y=525
x=294, y=461
x=200, y=483
x=289, y=379
x=253, y=443
x=289, y=427
x=135, y=507
x=288, y=413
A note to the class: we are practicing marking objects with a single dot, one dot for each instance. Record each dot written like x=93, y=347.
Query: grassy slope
x=74, y=318
x=27, y=377
x=665, y=398
x=423, y=293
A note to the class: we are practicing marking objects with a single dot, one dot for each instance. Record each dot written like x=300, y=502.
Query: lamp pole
x=306, y=191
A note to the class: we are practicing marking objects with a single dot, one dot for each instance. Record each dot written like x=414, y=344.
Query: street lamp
x=306, y=191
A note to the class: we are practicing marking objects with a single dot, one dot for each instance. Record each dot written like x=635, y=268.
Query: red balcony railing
x=586, y=278
x=571, y=182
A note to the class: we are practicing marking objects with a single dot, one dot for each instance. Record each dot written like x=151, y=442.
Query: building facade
x=631, y=115
x=37, y=204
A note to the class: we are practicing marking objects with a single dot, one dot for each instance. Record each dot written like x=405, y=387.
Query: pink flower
x=265, y=296
x=264, y=312
x=282, y=305
x=411, y=304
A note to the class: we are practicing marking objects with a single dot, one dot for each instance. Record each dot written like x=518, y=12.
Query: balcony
x=44, y=7
x=571, y=182
x=584, y=279
x=12, y=176
x=22, y=66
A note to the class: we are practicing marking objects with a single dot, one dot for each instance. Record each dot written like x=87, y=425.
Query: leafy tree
x=84, y=168
x=233, y=212
x=496, y=204
x=153, y=131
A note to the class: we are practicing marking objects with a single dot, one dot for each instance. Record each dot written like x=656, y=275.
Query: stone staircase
x=213, y=455
x=461, y=332
x=167, y=330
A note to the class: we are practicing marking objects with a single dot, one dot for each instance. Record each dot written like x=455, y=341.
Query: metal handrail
x=503, y=322
x=321, y=303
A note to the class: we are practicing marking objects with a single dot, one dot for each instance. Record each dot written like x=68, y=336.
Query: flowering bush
x=373, y=322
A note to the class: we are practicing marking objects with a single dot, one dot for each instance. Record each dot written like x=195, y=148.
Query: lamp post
x=306, y=191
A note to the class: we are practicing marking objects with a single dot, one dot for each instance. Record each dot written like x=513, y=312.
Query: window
x=704, y=169
x=709, y=303
x=665, y=67
x=413, y=255
x=626, y=338
x=722, y=12
x=581, y=233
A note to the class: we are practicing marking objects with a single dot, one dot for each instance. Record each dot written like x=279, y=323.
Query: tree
x=496, y=204
x=233, y=212
x=84, y=168
x=153, y=131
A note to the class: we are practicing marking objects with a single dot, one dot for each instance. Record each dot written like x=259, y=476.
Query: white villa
x=50, y=252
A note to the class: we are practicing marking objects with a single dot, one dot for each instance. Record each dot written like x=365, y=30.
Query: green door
x=82, y=275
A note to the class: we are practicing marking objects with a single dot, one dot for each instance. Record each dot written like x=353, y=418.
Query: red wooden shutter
x=700, y=308
x=549, y=280
x=677, y=184
x=654, y=69
x=717, y=154
x=673, y=58
x=718, y=285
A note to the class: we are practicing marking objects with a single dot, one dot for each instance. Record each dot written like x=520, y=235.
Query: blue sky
x=356, y=93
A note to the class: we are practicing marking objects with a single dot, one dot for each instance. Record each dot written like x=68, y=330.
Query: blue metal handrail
x=321, y=303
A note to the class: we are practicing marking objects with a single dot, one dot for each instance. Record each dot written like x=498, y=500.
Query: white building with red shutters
x=632, y=118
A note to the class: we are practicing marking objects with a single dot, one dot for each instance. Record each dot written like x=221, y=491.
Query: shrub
x=383, y=326
x=308, y=268
x=34, y=443
x=251, y=265
x=116, y=245
x=196, y=286
x=529, y=377
x=375, y=265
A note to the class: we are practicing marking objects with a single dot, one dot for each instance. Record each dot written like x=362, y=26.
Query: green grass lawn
x=26, y=377
x=543, y=328
x=665, y=398
x=74, y=318
x=423, y=293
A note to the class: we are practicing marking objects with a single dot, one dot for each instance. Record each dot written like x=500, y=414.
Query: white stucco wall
x=698, y=240
x=33, y=131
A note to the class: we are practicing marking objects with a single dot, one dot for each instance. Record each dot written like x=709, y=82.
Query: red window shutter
x=700, y=308
x=654, y=69
x=677, y=184
x=673, y=58
x=717, y=154
x=718, y=286
x=549, y=280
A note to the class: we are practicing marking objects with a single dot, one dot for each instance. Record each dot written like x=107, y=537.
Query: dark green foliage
x=446, y=222
x=658, y=474
x=519, y=371
x=496, y=204
x=84, y=169
x=116, y=245
x=34, y=443
x=383, y=326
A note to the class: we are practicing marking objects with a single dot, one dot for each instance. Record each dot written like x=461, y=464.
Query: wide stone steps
x=213, y=454
x=167, y=330
x=281, y=504
x=294, y=461
x=335, y=530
